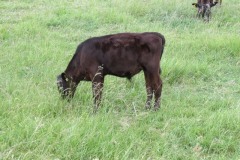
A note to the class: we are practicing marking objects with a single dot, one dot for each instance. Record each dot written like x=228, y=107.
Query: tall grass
x=200, y=111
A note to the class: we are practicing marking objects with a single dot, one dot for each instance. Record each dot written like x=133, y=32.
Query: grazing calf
x=122, y=55
x=204, y=8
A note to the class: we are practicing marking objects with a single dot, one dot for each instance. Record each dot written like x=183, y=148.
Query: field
x=200, y=110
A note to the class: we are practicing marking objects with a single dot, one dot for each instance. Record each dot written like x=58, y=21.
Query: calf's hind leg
x=149, y=97
x=157, y=89
x=148, y=89
x=154, y=86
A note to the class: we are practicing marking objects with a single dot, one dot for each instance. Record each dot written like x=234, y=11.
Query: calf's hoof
x=148, y=106
x=156, y=107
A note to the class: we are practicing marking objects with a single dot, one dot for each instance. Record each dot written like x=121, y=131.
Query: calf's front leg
x=97, y=88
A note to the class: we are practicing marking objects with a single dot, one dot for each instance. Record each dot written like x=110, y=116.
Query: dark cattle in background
x=204, y=8
x=122, y=55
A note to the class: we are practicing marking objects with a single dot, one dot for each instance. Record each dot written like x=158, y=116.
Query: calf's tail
x=163, y=43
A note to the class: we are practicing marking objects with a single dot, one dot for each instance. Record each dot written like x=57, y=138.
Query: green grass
x=200, y=112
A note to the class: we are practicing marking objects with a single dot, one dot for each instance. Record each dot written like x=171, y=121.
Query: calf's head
x=66, y=86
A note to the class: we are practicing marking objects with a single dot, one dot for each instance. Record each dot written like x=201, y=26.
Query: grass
x=200, y=112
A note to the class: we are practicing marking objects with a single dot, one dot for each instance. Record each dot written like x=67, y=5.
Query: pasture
x=200, y=110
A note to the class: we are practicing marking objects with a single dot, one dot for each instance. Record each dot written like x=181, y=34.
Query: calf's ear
x=63, y=75
x=213, y=4
x=59, y=77
x=195, y=4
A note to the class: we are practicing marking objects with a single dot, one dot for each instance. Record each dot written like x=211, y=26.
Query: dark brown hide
x=122, y=55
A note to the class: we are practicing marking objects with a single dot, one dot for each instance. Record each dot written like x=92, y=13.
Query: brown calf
x=122, y=55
